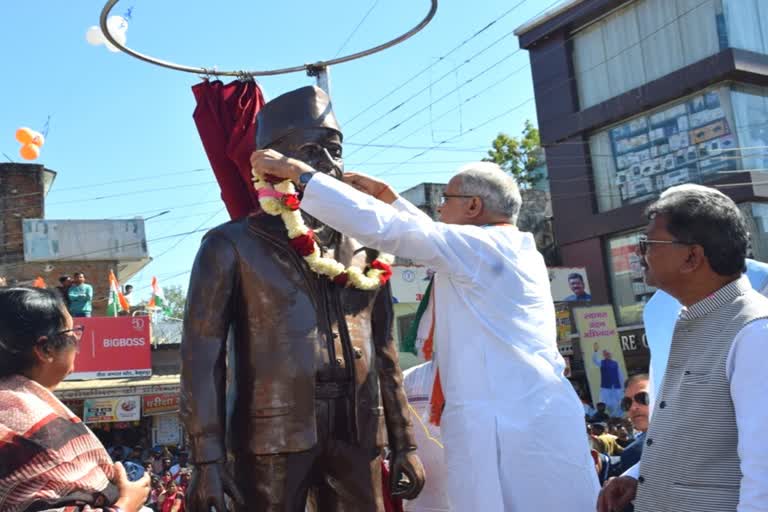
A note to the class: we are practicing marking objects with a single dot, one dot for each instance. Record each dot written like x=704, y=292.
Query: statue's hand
x=207, y=488
x=407, y=475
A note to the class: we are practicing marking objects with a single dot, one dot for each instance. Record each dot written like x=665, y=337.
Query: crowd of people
x=169, y=471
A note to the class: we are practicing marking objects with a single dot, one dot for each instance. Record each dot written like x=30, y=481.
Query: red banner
x=113, y=347
x=160, y=404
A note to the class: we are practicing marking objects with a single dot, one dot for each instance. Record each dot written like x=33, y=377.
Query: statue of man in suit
x=318, y=388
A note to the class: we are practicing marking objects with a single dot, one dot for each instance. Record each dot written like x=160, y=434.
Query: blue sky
x=123, y=128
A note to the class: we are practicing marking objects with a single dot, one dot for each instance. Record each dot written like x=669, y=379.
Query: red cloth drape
x=390, y=504
x=226, y=121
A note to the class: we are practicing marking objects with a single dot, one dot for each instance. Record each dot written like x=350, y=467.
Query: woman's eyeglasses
x=75, y=334
x=642, y=398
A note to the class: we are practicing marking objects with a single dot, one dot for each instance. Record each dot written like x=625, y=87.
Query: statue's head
x=301, y=124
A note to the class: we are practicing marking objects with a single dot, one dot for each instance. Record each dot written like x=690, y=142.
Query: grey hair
x=496, y=188
x=705, y=216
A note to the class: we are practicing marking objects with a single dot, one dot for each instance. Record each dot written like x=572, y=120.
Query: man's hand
x=274, y=163
x=371, y=186
x=406, y=464
x=616, y=494
x=133, y=495
x=207, y=488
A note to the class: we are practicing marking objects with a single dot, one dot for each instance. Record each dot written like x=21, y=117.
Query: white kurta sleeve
x=403, y=205
x=633, y=471
x=447, y=248
x=749, y=392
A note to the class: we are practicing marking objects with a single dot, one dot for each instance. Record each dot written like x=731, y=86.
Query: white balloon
x=94, y=36
x=120, y=37
x=116, y=24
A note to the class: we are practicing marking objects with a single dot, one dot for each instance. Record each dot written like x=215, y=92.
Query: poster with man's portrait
x=569, y=284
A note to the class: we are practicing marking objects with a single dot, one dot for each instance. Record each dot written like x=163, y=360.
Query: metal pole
x=323, y=76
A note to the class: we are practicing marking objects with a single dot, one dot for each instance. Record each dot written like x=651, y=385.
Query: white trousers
x=496, y=463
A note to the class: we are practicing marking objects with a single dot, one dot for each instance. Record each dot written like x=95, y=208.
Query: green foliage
x=519, y=156
x=176, y=299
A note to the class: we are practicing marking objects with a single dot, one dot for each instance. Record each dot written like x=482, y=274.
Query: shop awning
x=101, y=388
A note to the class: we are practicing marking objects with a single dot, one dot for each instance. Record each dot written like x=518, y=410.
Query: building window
x=747, y=24
x=630, y=293
x=691, y=140
x=644, y=41
x=756, y=215
x=750, y=110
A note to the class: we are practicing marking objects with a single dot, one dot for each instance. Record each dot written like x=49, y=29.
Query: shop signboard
x=110, y=410
x=166, y=430
x=603, y=358
x=160, y=404
x=409, y=282
x=113, y=347
x=569, y=284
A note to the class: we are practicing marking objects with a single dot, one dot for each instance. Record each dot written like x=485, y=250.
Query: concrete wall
x=46, y=240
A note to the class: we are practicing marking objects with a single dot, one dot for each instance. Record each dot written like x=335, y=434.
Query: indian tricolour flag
x=117, y=301
x=158, y=297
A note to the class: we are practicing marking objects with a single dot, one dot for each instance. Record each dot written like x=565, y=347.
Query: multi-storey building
x=635, y=96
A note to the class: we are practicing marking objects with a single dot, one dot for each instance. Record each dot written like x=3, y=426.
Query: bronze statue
x=317, y=381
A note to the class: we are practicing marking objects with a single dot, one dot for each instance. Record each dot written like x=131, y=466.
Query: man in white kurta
x=513, y=427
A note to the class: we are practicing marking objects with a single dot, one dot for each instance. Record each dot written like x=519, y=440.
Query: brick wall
x=96, y=274
x=21, y=197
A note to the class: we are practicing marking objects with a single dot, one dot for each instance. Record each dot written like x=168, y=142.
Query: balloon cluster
x=31, y=142
x=117, y=25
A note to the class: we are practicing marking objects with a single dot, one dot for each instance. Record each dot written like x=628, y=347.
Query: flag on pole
x=158, y=297
x=117, y=301
x=39, y=282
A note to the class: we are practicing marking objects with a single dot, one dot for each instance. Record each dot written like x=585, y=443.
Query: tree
x=519, y=156
x=176, y=299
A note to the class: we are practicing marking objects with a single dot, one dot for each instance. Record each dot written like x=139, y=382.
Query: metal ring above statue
x=304, y=67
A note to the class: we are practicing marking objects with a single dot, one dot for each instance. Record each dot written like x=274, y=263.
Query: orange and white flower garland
x=281, y=199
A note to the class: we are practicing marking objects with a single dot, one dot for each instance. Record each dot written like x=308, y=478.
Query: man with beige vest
x=704, y=450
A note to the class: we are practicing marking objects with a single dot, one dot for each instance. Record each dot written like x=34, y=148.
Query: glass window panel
x=590, y=65
x=607, y=184
x=688, y=141
x=661, y=42
x=757, y=219
x=642, y=42
x=747, y=24
x=750, y=110
x=630, y=293
x=621, y=39
x=698, y=29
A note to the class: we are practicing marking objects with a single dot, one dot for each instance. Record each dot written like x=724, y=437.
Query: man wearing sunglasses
x=635, y=405
x=714, y=384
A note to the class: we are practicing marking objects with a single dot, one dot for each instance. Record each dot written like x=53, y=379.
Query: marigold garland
x=280, y=198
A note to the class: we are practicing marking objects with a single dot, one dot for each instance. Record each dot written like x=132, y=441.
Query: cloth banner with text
x=603, y=358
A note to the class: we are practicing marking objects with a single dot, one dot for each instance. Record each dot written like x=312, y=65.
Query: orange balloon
x=29, y=152
x=37, y=139
x=25, y=135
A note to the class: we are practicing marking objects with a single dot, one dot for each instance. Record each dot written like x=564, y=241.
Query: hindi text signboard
x=160, y=404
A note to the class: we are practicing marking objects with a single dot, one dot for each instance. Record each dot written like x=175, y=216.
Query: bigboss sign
x=113, y=347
